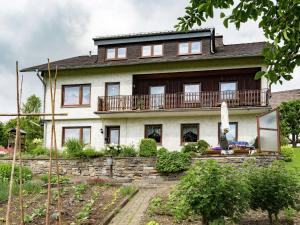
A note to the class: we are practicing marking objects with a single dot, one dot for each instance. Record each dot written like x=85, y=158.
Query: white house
x=166, y=85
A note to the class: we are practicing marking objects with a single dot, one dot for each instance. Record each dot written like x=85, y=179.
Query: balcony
x=173, y=101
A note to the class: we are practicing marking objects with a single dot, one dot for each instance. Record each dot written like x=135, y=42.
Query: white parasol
x=224, y=118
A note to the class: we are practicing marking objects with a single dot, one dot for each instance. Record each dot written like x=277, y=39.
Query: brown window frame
x=111, y=83
x=80, y=136
x=107, y=135
x=116, y=54
x=80, y=95
x=161, y=130
x=236, y=130
x=152, y=51
x=181, y=132
x=189, y=48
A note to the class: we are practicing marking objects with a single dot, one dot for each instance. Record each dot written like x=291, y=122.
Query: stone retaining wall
x=123, y=168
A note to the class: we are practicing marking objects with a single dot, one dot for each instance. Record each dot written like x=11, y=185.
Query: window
x=112, y=135
x=112, y=89
x=83, y=134
x=192, y=92
x=152, y=50
x=76, y=95
x=154, y=132
x=228, y=90
x=116, y=53
x=232, y=135
x=189, y=133
x=157, y=97
x=192, y=47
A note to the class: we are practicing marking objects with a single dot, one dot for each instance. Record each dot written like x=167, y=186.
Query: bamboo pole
x=7, y=219
x=50, y=154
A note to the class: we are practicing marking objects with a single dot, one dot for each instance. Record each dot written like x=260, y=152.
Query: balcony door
x=157, y=97
x=112, y=135
x=112, y=95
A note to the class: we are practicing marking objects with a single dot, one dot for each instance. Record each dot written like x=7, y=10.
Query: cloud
x=34, y=30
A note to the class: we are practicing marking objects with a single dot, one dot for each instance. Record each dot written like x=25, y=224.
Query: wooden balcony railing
x=211, y=99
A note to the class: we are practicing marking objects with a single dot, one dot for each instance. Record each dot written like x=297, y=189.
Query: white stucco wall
x=132, y=130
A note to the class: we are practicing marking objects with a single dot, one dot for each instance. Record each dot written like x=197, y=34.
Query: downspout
x=212, y=41
x=41, y=78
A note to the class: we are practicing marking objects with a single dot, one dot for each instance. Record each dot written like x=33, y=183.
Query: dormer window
x=189, y=48
x=152, y=50
x=116, y=53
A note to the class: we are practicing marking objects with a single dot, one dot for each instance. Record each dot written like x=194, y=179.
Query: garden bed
x=81, y=204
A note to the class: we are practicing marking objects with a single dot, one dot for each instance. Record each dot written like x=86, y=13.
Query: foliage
x=4, y=186
x=34, y=186
x=148, y=147
x=290, y=120
x=273, y=188
x=211, y=190
x=199, y=147
x=279, y=21
x=289, y=214
x=128, y=151
x=172, y=162
x=78, y=190
x=157, y=206
x=3, y=135
x=62, y=179
x=74, y=147
x=91, y=153
x=5, y=171
x=85, y=211
x=33, y=105
x=288, y=153
x=39, y=150
x=152, y=223
x=126, y=190
x=112, y=150
x=35, y=213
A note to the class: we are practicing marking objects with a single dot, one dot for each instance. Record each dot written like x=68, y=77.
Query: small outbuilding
x=12, y=136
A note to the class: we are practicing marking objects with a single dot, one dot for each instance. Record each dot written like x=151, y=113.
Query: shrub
x=4, y=187
x=128, y=151
x=126, y=190
x=212, y=191
x=62, y=179
x=74, y=147
x=157, y=206
x=39, y=150
x=199, y=147
x=34, y=186
x=91, y=153
x=273, y=188
x=148, y=147
x=288, y=153
x=172, y=162
x=5, y=171
x=112, y=150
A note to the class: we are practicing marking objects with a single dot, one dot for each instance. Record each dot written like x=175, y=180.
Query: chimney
x=219, y=40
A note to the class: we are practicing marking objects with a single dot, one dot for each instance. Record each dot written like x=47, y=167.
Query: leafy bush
x=62, y=179
x=128, y=151
x=199, y=147
x=172, y=162
x=74, y=147
x=91, y=153
x=4, y=187
x=273, y=188
x=212, y=191
x=5, y=171
x=126, y=190
x=148, y=147
x=157, y=206
x=39, y=150
x=288, y=153
x=112, y=150
x=34, y=186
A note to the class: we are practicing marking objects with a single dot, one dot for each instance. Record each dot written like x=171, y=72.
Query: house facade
x=168, y=86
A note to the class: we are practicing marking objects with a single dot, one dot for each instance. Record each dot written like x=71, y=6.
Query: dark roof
x=225, y=51
x=283, y=96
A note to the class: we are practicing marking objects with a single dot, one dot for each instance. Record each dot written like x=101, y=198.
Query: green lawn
x=295, y=164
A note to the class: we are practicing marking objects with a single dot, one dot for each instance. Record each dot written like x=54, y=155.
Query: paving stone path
x=133, y=212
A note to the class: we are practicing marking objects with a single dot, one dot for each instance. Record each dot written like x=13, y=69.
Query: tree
x=33, y=105
x=3, y=135
x=290, y=120
x=279, y=20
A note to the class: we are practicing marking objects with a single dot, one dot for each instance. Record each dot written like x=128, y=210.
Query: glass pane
x=114, y=136
x=268, y=121
x=191, y=92
x=231, y=135
x=72, y=133
x=183, y=48
x=154, y=132
x=110, y=54
x=86, y=135
x=157, y=50
x=121, y=52
x=190, y=133
x=228, y=90
x=146, y=50
x=157, y=98
x=113, y=89
x=71, y=95
x=86, y=94
x=268, y=140
x=196, y=47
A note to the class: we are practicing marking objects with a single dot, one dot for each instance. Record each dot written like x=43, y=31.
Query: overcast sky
x=33, y=30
